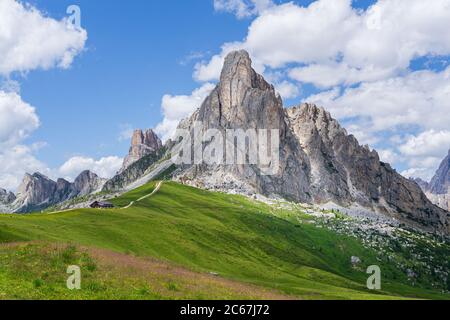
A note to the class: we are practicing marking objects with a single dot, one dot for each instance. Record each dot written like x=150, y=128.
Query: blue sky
x=139, y=51
x=133, y=57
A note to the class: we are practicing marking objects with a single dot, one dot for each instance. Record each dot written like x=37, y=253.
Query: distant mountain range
x=319, y=161
x=38, y=192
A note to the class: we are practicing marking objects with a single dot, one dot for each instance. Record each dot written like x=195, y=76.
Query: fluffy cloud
x=210, y=70
x=104, y=167
x=429, y=143
x=333, y=74
x=360, y=60
x=30, y=40
x=388, y=156
x=15, y=161
x=287, y=90
x=17, y=119
x=242, y=8
x=419, y=99
x=421, y=154
x=337, y=44
x=176, y=108
x=425, y=152
x=417, y=102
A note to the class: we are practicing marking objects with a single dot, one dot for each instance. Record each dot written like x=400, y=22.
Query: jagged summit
x=142, y=144
x=438, y=190
x=319, y=161
x=37, y=191
x=6, y=197
x=237, y=77
x=440, y=183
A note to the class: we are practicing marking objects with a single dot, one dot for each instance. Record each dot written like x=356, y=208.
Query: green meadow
x=186, y=243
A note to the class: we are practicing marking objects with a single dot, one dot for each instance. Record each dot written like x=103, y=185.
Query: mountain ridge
x=142, y=144
x=319, y=161
x=38, y=192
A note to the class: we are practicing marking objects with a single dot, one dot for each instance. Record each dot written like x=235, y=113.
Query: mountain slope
x=38, y=271
x=440, y=183
x=237, y=238
x=319, y=162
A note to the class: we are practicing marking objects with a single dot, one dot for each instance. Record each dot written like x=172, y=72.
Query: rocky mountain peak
x=142, y=144
x=440, y=183
x=438, y=190
x=38, y=192
x=6, y=197
x=87, y=182
x=238, y=81
x=34, y=192
x=319, y=162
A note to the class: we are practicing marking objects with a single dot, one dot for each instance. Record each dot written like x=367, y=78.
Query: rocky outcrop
x=142, y=144
x=319, y=162
x=6, y=197
x=425, y=186
x=244, y=100
x=87, y=183
x=137, y=170
x=344, y=172
x=438, y=190
x=440, y=183
x=6, y=200
x=38, y=192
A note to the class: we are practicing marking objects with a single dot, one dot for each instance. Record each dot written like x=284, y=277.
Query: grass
x=206, y=232
x=38, y=271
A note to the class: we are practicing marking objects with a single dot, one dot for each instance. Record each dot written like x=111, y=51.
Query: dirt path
x=158, y=186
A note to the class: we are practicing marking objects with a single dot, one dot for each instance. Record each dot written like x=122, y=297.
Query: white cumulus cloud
x=428, y=143
x=335, y=43
x=17, y=119
x=105, y=167
x=287, y=90
x=15, y=161
x=419, y=99
x=30, y=40
x=176, y=108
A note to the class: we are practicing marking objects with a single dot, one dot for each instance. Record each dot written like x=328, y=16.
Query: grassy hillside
x=206, y=233
x=38, y=271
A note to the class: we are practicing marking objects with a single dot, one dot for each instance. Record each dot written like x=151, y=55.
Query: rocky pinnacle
x=319, y=161
x=142, y=144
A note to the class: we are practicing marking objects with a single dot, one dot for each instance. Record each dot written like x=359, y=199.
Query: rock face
x=6, y=200
x=438, y=190
x=425, y=186
x=319, y=162
x=244, y=100
x=440, y=183
x=6, y=197
x=137, y=170
x=142, y=144
x=38, y=192
x=87, y=183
